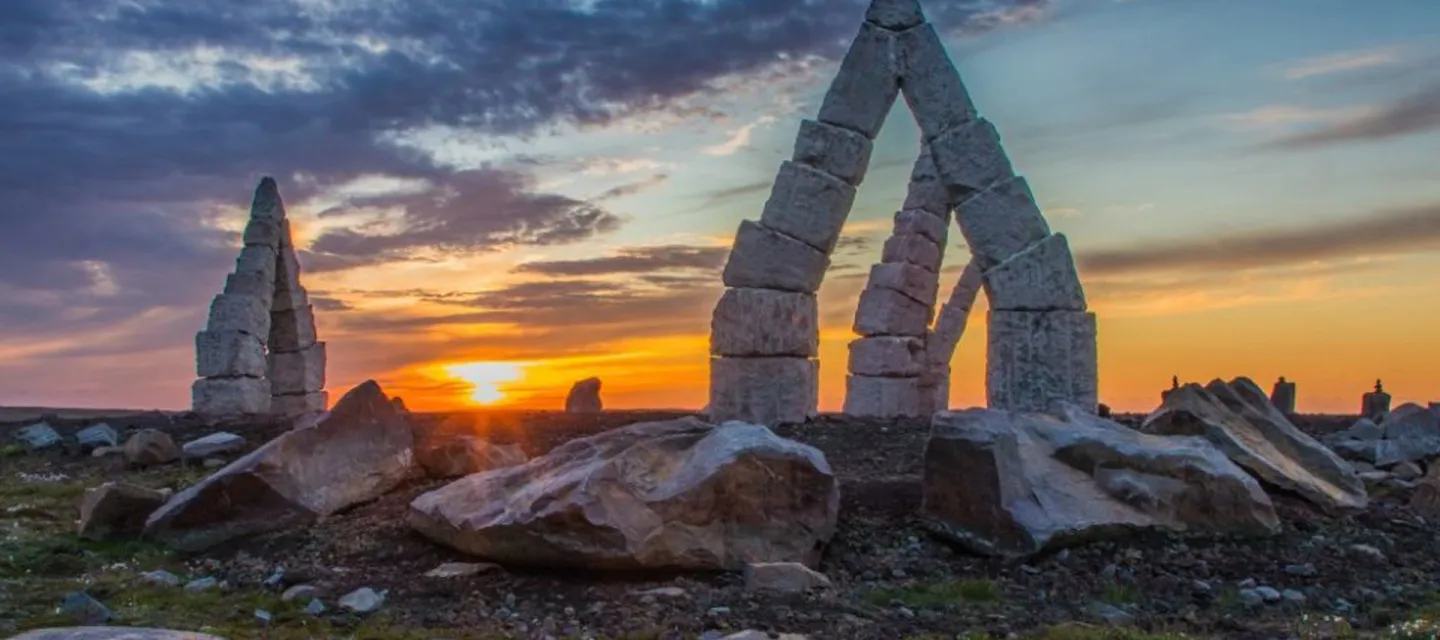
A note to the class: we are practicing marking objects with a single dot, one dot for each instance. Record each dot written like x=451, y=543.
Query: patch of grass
x=12, y=451
x=1228, y=599
x=29, y=554
x=1087, y=632
x=937, y=594
x=1121, y=594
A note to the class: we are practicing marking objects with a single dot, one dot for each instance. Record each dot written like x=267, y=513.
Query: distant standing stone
x=1376, y=404
x=1283, y=396
x=584, y=397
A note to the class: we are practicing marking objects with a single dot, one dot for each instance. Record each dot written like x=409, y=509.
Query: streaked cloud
x=1344, y=61
x=1412, y=114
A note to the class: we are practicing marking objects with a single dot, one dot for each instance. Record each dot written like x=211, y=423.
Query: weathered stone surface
x=250, y=283
x=297, y=373
x=257, y=259
x=1283, y=396
x=299, y=404
x=783, y=577
x=287, y=265
x=1041, y=277
x=926, y=191
x=38, y=436
x=263, y=232
x=1411, y=421
x=1036, y=358
x=763, y=258
x=867, y=84
x=294, y=330
x=767, y=391
x=930, y=83
x=895, y=15
x=923, y=223
x=229, y=354
x=913, y=249
x=917, y=283
x=584, y=397
x=970, y=159
x=117, y=509
x=765, y=322
x=447, y=454
x=96, y=436
x=663, y=495
x=267, y=203
x=1426, y=499
x=874, y=397
x=838, y=151
x=246, y=314
x=1387, y=453
x=886, y=312
x=954, y=316
x=1375, y=406
x=809, y=205
x=1239, y=419
x=111, y=633
x=289, y=300
x=1015, y=484
x=213, y=445
x=935, y=389
x=150, y=447
x=357, y=452
x=1001, y=221
x=887, y=356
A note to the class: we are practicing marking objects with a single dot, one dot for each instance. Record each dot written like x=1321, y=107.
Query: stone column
x=1375, y=405
x=1283, y=397
x=296, y=366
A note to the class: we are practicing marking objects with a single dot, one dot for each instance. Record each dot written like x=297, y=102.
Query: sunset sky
x=498, y=198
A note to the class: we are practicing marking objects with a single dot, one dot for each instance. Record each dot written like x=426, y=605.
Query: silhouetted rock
x=584, y=397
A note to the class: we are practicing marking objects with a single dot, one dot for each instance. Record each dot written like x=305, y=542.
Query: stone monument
x=1283, y=396
x=1376, y=404
x=584, y=397
x=258, y=353
x=764, y=335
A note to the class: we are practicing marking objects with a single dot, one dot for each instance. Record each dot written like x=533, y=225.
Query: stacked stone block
x=258, y=353
x=889, y=370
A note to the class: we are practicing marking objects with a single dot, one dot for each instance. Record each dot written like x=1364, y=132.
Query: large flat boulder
x=1239, y=419
x=360, y=450
x=681, y=494
x=1015, y=484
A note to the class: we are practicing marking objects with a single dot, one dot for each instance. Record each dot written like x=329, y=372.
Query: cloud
x=739, y=139
x=632, y=260
x=1391, y=232
x=1285, y=115
x=1344, y=61
x=1416, y=113
x=633, y=188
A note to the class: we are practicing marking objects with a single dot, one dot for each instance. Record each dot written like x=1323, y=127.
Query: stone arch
x=764, y=332
x=259, y=353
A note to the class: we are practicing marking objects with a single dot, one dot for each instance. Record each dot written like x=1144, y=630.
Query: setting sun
x=486, y=378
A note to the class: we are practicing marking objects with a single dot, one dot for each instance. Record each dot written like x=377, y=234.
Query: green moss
x=1121, y=594
x=937, y=594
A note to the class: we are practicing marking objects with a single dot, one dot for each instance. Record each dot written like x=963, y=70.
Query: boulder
x=1014, y=484
x=1411, y=421
x=111, y=633
x=213, y=445
x=151, y=447
x=117, y=508
x=399, y=404
x=358, y=451
x=97, y=436
x=783, y=577
x=1239, y=419
x=1426, y=499
x=680, y=494
x=38, y=436
x=584, y=397
x=449, y=455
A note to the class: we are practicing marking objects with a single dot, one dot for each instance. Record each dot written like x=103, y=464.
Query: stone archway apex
x=258, y=353
x=764, y=331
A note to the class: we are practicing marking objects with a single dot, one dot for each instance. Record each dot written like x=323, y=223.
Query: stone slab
x=289, y=299
x=895, y=15
x=865, y=88
x=873, y=397
x=954, y=316
x=931, y=85
x=913, y=248
x=969, y=158
x=809, y=205
x=257, y=259
x=264, y=232
x=287, y=269
x=297, y=373
x=763, y=258
x=765, y=322
x=763, y=391
x=888, y=356
x=837, y=151
x=1001, y=221
x=228, y=354
x=886, y=312
x=920, y=285
x=923, y=223
x=230, y=396
x=293, y=330
x=926, y=190
x=1040, y=278
x=251, y=283
x=1036, y=358
x=301, y=404
x=246, y=314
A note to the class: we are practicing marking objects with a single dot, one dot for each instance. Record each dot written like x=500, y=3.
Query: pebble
x=1248, y=583
x=1251, y=597
x=80, y=607
x=1293, y=596
x=1370, y=553
x=1201, y=586
x=161, y=577
x=263, y=616
x=203, y=584
x=315, y=608
x=662, y=592
x=363, y=600
x=299, y=592
x=460, y=569
x=1268, y=593
x=1306, y=569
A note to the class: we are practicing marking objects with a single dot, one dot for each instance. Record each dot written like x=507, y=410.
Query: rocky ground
x=1324, y=576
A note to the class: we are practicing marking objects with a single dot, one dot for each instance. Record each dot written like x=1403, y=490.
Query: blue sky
x=543, y=192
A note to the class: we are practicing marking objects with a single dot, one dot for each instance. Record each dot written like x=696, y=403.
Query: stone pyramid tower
x=764, y=332
x=258, y=353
